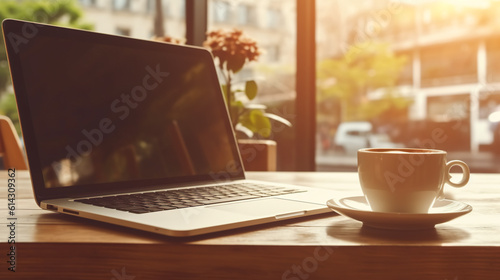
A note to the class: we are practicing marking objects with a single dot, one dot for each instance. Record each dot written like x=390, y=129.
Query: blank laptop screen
x=105, y=109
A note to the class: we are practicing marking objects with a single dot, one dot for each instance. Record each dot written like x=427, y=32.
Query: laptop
x=136, y=133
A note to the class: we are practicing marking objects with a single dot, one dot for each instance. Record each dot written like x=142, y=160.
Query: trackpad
x=266, y=207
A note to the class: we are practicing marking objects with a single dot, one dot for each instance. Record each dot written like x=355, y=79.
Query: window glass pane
x=139, y=22
x=87, y=2
x=396, y=73
x=493, y=59
x=272, y=24
x=246, y=15
x=221, y=11
x=119, y=17
x=174, y=8
x=121, y=5
x=274, y=18
x=449, y=64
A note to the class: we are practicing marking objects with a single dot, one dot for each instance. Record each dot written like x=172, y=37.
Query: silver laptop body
x=106, y=117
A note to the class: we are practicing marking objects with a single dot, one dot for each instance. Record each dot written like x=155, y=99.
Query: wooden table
x=326, y=247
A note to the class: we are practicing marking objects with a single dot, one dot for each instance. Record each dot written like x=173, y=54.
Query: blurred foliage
x=365, y=68
x=232, y=49
x=56, y=12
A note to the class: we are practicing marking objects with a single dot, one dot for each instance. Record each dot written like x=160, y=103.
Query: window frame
x=305, y=102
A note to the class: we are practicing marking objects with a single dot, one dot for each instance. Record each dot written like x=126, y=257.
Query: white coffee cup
x=405, y=180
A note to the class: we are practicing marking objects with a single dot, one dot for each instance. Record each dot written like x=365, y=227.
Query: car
x=352, y=136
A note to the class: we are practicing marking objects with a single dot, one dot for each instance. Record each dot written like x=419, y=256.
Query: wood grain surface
x=57, y=246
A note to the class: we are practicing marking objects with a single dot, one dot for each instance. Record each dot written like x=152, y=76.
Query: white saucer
x=357, y=208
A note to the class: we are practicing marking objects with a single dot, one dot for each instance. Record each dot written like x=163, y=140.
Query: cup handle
x=465, y=173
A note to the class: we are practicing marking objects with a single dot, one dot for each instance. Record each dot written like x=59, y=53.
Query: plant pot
x=258, y=154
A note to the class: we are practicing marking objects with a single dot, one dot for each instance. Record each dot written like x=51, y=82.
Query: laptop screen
x=101, y=109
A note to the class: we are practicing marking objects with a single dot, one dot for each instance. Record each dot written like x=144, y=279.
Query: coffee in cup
x=405, y=180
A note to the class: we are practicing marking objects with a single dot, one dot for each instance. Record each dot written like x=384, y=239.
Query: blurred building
x=452, y=46
x=134, y=17
x=273, y=25
x=453, y=76
x=270, y=23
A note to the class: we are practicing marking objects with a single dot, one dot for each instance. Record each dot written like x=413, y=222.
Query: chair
x=10, y=146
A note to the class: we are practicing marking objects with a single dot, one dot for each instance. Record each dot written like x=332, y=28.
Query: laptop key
x=139, y=211
x=228, y=199
x=140, y=203
x=165, y=207
x=154, y=209
x=191, y=204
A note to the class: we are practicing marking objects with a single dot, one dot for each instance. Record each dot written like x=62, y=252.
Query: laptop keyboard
x=140, y=203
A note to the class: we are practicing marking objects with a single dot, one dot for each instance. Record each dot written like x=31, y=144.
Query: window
x=182, y=9
x=221, y=11
x=489, y=106
x=493, y=60
x=447, y=64
x=246, y=15
x=273, y=53
x=150, y=6
x=171, y=8
x=406, y=74
x=274, y=19
x=88, y=2
x=405, y=67
x=274, y=71
x=121, y=5
x=409, y=68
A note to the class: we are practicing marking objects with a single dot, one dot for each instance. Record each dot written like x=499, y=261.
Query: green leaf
x=255, y=121
x=251, y=89
x=238, y=105
x=278, y=119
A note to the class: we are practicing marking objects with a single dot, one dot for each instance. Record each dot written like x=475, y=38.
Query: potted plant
x=232, y=50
